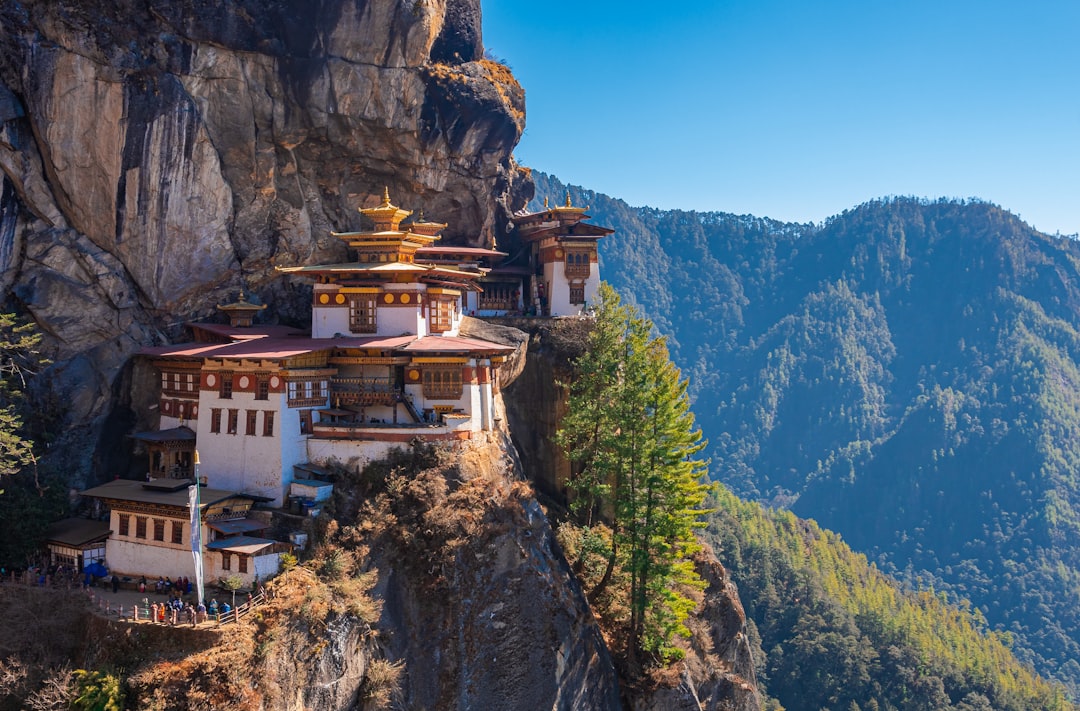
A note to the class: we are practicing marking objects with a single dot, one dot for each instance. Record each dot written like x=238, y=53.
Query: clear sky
x=800, y=110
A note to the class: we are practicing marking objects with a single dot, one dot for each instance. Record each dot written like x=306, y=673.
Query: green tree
x=631, y=436
x=19, y=360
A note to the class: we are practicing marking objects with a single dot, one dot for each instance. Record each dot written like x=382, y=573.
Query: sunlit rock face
x=156, y=155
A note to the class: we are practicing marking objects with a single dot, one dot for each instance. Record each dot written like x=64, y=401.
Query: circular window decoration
x=194, y=410
x=389, y=298
x=275, y=381
x=211, y=380
x=244, y=380
x=405, y=298
x=324, y=298
x=339, y=298
x=414, y=374
x=166, y=407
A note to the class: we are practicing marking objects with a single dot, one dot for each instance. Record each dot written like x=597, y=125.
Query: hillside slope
x=905, y=374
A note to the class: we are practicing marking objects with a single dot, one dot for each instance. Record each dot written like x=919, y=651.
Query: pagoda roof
x=275, y=348
x=173, y=493
x=454, y=344
x=241, y=304
x=76, y=532
x=246, y=333
x=175, y=434
x=247, y=545
x=466, y=251
x=239, y=525
x=578, y=229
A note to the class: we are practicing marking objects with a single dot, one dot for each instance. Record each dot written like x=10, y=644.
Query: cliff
x=157, y=156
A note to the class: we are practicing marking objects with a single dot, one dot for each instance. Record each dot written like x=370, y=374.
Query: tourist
x=115, y=584
x=142, y=584
x=154, y=612
x=200, y=612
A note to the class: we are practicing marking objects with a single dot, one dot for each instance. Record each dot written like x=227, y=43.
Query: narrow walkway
x=120, y=605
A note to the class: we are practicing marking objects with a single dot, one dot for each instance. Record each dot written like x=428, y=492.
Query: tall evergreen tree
x=631, y=436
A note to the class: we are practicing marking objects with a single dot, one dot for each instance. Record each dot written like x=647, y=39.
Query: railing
x=361, y=385
x=237, y=613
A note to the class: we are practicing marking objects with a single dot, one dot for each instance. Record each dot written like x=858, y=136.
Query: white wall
x=251, y=464
x=352, y=453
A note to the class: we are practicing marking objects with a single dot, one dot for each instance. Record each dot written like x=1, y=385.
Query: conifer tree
x=631, y=436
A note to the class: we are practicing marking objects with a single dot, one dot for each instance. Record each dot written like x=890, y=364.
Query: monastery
x=252, y=411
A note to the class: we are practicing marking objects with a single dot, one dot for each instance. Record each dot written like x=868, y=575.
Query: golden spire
x=545, y=202
x=568, y=199
x=385, y=197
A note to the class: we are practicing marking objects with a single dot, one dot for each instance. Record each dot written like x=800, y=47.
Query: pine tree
x=631, y=437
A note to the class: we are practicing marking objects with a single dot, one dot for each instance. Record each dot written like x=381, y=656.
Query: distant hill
x=905, y=373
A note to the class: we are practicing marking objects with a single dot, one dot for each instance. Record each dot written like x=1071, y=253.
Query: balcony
x=364, y=391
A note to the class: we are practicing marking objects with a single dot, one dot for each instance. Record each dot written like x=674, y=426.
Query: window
x=189, y=382
x=140, y=527
x=243, y=563
x=125, y=525
x=234, y=421
x=159, y=529
x=268, y=423
x=442, y=383
x=577, y=293
x=262, y=389
x=252, y=418
x=577, y=264
x=215, y=420
x=305, y=422
x=226, y=560
x=177, y=532
x=362, y=312
x=226, y=386
x=442, y=315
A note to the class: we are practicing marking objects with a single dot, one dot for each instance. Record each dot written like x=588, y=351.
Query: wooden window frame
x=178, y=533
x=234, y=421
x=242, y=563
x=364, y=314
x=124, y=524
x=226, y=560
x=262, y=388
x=251, y=424
x=305, y=422
x=443, y=383
x=159, y=529
x=268, y=423
x=578, y=291
x=140, y=527
x=215, y=420
x=441, y=315
x=225, y=389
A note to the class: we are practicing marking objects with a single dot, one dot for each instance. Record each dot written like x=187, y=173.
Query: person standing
x=115, y=583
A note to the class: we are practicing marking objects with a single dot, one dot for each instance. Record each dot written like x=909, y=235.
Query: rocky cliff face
x=156, y=156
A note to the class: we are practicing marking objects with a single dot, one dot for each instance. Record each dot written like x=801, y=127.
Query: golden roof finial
x=420, y=215
x=385, y=197
x=568, y=199
x=545, y=202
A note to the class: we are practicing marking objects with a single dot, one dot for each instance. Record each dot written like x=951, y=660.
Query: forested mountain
x=905, y=373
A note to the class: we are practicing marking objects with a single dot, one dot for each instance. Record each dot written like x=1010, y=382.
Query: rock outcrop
x=157, y=156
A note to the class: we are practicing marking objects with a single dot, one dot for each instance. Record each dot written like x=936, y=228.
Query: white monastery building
x=384, y=363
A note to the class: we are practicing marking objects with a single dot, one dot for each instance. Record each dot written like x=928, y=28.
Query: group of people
x=165, y=586
x=175, y=610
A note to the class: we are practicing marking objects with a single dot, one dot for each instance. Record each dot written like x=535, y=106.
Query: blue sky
x=800, y=110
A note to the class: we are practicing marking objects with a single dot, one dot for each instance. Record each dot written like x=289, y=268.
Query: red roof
x=454, y=344
x=281, y=348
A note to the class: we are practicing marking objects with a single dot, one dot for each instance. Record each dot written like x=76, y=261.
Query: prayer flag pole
x=196, y=530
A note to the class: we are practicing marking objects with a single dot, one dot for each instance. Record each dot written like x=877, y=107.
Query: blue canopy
x=97, y=570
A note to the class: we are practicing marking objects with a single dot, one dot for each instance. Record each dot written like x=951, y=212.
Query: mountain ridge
x=904, y=373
